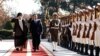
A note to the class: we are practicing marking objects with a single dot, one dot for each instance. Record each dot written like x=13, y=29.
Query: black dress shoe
x=34, y=50
x=54, y=50
x=37, y=48
x=17, y=49
x=82, y=53
x=91, y=55
x=86, y=54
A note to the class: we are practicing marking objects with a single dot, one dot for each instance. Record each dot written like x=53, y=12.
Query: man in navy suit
x=35, y=29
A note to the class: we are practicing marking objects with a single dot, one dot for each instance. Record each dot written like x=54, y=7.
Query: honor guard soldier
x=79, y=33
x=77, y=28
x=92, y=33
x=83, y=32
x=97, y=33
x=87, y=32
x=99, y=17
x=90, y=30
x=54, y=28
x=74, y=32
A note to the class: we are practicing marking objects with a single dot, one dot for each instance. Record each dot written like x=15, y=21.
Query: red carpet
x=19, y=53
x=40, y=52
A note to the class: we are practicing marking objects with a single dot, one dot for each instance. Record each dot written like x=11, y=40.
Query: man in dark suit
x=35, y=29
x=19, y=32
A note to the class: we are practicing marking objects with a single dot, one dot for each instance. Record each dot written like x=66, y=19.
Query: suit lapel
x=23, y=25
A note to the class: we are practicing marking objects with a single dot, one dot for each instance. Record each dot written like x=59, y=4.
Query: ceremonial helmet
x=55, y=14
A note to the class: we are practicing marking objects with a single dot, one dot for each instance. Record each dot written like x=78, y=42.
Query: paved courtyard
x=7, y=49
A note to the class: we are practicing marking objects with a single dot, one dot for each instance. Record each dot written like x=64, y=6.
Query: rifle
x=76, y=29
x=88, y=32
x=94, y=29
x=73, y=29
x=78, y=35
x=84, y=34
x=77, y=17
x=91, y=17
x=85, y=17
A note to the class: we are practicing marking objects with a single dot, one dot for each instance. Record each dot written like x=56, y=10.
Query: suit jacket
x=17, y=29
x=35, y=27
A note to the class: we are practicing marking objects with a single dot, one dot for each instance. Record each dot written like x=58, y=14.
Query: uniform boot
x=91, y=50
x=63, y=44
x=97, y=51
x=82, y=49
x=72, y=45
x=75, y=47
x=78, y=49
x=67, y=45
x=86, y=49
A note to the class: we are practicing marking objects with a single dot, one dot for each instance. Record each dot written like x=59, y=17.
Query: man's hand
x=13, y=34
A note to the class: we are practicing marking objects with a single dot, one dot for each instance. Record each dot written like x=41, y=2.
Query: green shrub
x=5, y=34
x=8, y=25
